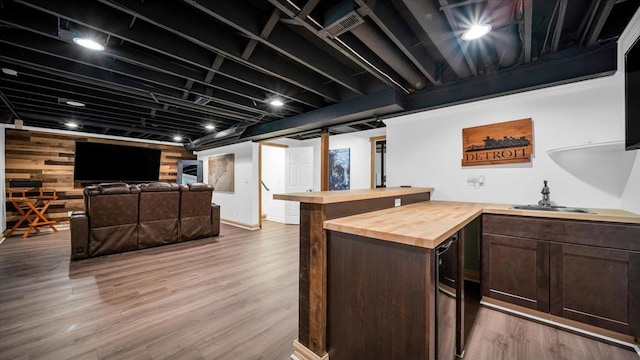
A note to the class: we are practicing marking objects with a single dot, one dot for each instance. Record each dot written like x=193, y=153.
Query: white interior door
x=298, y=178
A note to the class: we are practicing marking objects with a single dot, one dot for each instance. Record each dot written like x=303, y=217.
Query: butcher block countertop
x=328, y=197
x=609, y=215
x=425, y=224
x=429, y=223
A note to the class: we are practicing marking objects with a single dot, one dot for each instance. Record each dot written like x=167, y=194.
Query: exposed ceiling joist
x=453, y=23
x=8, y=104
x=527, y=18
x=557, y=33
x=220, y=40
x=438, y=32
x=385, y=16
x=281, y=40
x=602, y=15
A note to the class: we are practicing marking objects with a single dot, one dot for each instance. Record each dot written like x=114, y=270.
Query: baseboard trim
x=301, y=352
x=240, y=224
x=611, y=337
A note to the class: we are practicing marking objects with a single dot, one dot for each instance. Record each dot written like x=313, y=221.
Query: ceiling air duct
x=341, y=18
x=201, y=100
x=211, y=140
x=344, y=18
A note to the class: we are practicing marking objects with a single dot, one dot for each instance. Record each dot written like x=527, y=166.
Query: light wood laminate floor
x=229, y=297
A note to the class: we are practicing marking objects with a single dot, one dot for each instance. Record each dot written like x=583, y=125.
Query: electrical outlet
x=471, y=180
x=476, y=181
x=398, y=202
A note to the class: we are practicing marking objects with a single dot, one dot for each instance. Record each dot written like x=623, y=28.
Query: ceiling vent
x=341, y=18
x=201, y=100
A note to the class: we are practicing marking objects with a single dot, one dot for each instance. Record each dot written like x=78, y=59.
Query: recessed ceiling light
x=74, y=103
x=177, y=138
x=476, y=31
x=88, y=43
x=71, y=125
x=277, y=102
x=10, y=71
x=209, y=127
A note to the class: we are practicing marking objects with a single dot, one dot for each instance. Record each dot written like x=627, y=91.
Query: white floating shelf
x=606, y=165
x=615, y=146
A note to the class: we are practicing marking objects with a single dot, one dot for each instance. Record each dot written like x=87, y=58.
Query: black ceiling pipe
x=201, y=143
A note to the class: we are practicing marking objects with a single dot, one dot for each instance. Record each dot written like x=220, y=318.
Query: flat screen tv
x=96, y=162
x=632, y=96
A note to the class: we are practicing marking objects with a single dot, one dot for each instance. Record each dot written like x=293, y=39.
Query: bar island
x=368, y=271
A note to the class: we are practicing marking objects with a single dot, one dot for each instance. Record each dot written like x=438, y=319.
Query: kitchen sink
x=552, y=208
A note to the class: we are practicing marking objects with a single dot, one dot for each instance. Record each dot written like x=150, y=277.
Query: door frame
x=261, y=144
x=373, y=141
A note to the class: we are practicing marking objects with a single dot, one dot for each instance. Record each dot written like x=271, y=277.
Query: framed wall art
x=501, y=143
x=339, y=169
x=221, y=172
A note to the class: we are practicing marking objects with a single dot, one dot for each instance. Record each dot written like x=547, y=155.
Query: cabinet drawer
x=602, y=234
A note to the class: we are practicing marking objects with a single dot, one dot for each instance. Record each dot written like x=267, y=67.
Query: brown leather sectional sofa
x=120, y=217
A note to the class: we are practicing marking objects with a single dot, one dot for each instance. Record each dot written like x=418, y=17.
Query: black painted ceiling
x=170, y=67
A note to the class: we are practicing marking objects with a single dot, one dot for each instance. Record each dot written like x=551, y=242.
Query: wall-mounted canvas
x=500, y=143
x=221, y=172
x=339, y=169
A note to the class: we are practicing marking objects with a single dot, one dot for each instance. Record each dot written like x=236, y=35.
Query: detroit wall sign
x=501, y=143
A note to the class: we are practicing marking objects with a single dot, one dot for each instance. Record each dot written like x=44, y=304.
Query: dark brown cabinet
x=597, y=286
x=581, y=270
x=518, y=271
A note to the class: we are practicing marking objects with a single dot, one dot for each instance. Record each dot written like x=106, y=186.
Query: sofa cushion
x=159, y=211
x=113, y=210
x=195, y=211
x=159, y=205
x=159, y=187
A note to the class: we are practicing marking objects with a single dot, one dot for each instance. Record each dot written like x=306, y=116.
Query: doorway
x=283, y=170
x=378, y=162
x=272, y=179
x=298, y=178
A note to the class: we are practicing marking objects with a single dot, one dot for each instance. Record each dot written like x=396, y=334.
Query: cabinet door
x=516, y=270
x=597, y=286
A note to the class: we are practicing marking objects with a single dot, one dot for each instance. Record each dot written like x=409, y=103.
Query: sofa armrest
x=79, y=226
x=215, y=220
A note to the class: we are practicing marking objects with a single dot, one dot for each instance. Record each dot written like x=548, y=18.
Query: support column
x=324, y=160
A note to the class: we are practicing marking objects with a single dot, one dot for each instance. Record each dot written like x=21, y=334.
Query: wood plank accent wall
x=33, y=155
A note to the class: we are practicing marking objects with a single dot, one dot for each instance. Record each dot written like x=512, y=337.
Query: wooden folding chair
x=32, y=209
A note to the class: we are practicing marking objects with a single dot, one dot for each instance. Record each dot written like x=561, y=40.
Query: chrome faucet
x=545, y=195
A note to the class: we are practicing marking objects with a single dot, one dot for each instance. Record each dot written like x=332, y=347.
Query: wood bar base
x=301, y=352
x=315, y=209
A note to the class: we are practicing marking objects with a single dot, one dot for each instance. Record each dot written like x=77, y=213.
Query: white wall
x=425, y=149
x=241, y=206
x=360, y=154
x=273, y=175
